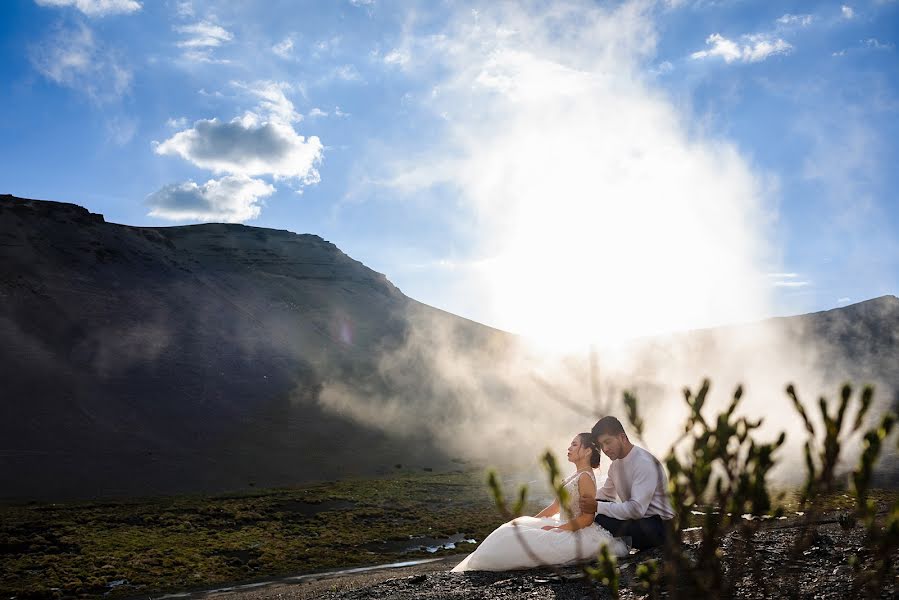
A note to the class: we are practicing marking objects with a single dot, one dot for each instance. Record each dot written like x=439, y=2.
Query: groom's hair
x=607, y=426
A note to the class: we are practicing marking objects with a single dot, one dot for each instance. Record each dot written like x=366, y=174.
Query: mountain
x=202, y=358
x=141, y=360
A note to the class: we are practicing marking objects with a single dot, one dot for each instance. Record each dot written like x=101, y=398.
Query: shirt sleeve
x=607, y=491
x=642, y=490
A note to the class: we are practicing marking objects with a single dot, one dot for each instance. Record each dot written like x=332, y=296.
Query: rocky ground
x=821, y=571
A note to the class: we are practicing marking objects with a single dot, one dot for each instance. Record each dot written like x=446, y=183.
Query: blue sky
x=589, y=169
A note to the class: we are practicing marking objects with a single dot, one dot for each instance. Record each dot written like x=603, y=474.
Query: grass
x=180, y=543
x=188, y=542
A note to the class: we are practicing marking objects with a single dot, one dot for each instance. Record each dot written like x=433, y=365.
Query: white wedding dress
x=523, y=544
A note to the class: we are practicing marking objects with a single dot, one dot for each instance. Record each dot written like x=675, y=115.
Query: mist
x=606, y=225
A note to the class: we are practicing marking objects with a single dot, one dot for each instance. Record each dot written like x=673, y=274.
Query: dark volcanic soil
x=822, y=571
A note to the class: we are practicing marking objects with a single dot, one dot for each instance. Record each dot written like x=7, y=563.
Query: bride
x=545, y=539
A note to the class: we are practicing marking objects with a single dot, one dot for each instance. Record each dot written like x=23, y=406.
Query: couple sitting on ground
x=635, y=477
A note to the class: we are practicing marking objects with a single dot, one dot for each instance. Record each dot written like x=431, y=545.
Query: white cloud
x=262, y=142
x=801, y=20
x=847, y=12
x=201, y=39
x=844, y=300
x=326, y=47
x=755, y=48
x=179, y=123
x=362, y=2
x=231, y=199
x=204, y=35
x=284, y=48
x=663, y=68
x=248, y=146
x=347, y=73
x=868, y=44
x=96, y=8
x=73, y=58
x=791, y=284
x=317, y=112
x=185, y=9
x=121, y=130
x=876, y=44
x=273, y=103
x=396, y=57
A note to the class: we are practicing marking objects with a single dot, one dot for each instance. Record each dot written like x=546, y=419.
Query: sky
x=571, y=171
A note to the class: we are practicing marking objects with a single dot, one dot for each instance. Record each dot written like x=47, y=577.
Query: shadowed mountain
x=156, y=360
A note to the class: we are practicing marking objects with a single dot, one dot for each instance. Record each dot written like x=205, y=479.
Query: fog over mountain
x=155, y=360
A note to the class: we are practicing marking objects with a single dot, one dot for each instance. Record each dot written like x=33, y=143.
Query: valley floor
x=185, y=545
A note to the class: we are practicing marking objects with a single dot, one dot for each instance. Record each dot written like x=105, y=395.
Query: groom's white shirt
x=640, y=482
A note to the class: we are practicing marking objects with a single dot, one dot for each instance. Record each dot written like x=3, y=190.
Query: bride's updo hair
x=587, y=442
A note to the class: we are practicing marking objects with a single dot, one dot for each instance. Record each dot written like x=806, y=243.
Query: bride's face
x=576, y=451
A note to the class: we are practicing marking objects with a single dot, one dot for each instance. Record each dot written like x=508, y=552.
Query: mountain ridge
x=211, y=357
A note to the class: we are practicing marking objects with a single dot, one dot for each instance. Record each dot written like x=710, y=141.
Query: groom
x=637, y=478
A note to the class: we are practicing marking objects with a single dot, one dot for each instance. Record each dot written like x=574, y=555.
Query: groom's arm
x=607, y=491
x=642, y=490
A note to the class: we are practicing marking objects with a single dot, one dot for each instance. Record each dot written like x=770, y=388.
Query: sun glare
x=601, y=216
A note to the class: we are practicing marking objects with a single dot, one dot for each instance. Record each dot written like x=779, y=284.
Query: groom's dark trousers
x=645, y=533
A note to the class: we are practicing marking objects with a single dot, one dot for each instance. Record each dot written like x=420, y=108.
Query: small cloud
x=787, y=280
x=215, y=94
x=248, y=146
x=73, y=58
x=876, y=44
x=204, y=56
x=362, y=2
x=179, y=123
x=231, y=199
x=868, y=44
x=323, y=47
x=284, y=48
x=396, y=57
x=800, y=20
x=204, y=35
x=185, y=9
x=663, y=68
x=755, y=48
x=274, y=104
x=121, y=130
x=844, y=300
x=202, y=38
x=847, y=12
x=347, y=73
x=317, y=112
x=96, y=8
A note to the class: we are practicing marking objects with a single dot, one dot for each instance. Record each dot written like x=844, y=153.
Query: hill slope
x=143, y=360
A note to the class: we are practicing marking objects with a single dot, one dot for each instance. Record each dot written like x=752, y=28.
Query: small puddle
x=418, y=544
